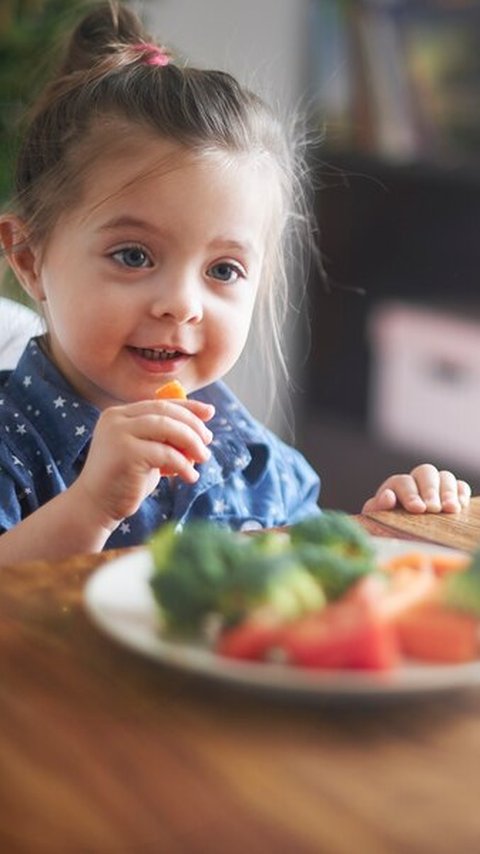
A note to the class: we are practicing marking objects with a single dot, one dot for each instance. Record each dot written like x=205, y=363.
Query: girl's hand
x=133, y=446
x=424, y=490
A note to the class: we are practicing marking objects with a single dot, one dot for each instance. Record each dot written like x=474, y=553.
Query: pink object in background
x=425, y=381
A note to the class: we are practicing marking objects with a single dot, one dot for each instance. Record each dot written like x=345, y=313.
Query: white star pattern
x=80, y=431
x=21, y=429
x=219, y=505
x=239, y=462
x=27, y=381
x=125, y=528
x=16, y=461
x=59, y=402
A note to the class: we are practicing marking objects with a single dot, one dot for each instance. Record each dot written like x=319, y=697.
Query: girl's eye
x=226, y=271
x=132, y=256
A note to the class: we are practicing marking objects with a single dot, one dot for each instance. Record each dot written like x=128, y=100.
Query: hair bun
x=98, y=34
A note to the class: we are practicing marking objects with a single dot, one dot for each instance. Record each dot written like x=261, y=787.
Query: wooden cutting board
x=459, y=530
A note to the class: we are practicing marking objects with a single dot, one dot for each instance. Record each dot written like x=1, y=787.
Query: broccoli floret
x=335, y=550
x=462, y=589
x=161, y=545
x=334, y=530
x=278, y=584
x=335, y=572
x=206, y=568
x=189, y=574
x=210, y=569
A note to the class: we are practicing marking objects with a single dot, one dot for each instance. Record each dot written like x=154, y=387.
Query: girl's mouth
x=159, y=359
x=162, y=355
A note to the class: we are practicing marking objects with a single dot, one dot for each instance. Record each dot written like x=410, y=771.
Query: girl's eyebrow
x=225, y=243
x=128, y=222
x=220, y=242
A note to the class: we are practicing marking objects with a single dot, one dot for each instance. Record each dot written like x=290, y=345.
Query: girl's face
x=154, y=274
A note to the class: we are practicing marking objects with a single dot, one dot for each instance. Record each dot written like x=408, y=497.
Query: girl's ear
x=23, y=258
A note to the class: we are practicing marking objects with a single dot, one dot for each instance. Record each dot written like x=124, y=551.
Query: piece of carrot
x=441, y=563
x=172, y=390
x=438, y=634
x=445, y=563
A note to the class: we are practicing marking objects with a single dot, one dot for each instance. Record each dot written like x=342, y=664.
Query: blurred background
x=391, y=89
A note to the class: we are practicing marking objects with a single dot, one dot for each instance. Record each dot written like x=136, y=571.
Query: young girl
x=152, y=202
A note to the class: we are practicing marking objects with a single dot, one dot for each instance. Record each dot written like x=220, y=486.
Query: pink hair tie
x=153, y=55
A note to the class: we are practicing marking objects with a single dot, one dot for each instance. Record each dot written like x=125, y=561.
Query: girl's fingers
x=170, y=431
x=449, y=492
x=169, y=461
x=425, y=489
x=464, y=493
x=145, y=419
x=203, y=411
x=427, y=480
x=405, y=488
x=385, y=499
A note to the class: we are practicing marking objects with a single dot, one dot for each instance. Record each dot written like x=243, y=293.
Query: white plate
x=119, y=600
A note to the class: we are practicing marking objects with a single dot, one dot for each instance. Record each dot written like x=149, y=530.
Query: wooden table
x=104, y=752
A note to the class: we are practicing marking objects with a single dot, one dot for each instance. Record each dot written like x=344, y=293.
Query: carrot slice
x=434, y=633
x=172, y=390
x=444, y=563
x=441, y=563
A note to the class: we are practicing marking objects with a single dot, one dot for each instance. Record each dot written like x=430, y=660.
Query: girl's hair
x=108, y=76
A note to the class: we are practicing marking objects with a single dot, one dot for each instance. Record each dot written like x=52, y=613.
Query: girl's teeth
x=158, y=355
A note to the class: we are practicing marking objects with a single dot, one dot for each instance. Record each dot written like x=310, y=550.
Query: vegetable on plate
x=314, y=596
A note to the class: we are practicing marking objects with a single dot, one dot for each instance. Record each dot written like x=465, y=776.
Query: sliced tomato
x=434, y=633
x=393, y=595
x=343, y=635
x=249, y=640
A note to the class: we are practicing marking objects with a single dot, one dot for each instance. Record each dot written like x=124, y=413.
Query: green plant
x=31, y=33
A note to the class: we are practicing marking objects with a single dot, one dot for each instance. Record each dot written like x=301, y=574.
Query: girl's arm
x=64, y=526
x=424, y=490
x=132, y=447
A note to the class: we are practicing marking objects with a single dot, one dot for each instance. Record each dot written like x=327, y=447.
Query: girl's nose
x=180, y=300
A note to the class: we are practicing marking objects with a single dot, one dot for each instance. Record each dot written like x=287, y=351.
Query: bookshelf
x=395, y=100
x=398, y=79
